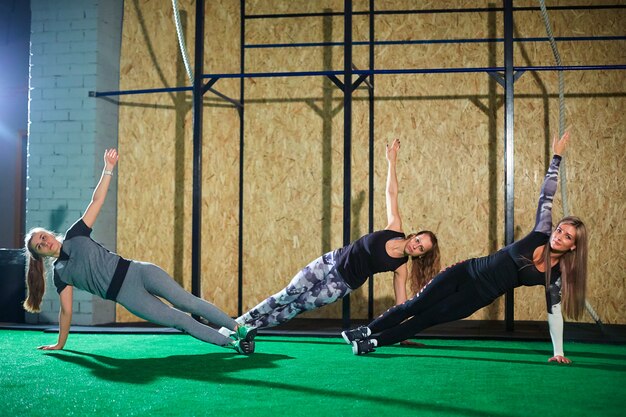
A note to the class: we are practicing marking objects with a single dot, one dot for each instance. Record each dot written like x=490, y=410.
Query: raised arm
x=100, y=193
x=65, y=319
x=394, y=222
x=543, y=218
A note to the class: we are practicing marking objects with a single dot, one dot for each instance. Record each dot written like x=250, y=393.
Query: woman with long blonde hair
x=555, y=259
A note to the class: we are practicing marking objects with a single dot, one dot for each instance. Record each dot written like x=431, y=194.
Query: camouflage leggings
x=317, y=285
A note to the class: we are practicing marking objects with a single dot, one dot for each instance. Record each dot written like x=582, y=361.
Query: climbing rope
x=181, y=41
x=557, y=57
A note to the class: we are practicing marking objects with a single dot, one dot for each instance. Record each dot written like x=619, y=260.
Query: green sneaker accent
x=246, y=333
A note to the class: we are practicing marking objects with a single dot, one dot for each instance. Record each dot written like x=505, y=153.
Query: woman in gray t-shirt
x=83, y=263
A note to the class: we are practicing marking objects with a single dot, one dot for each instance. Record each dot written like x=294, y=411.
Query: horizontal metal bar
x=365, y=72
x=432, y=11
x=434, y=41
x=275, y=74
x=492, y=69
x=144, y=91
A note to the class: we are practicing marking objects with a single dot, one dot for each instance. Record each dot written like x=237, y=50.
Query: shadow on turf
x=204, y=367
x=576, y=364
x=218, y=367
x=517, y=351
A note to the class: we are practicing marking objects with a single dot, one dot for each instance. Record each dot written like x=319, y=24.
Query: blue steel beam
x=434, y=41
x=433, y=11
x=366, y=72
x=196, y=205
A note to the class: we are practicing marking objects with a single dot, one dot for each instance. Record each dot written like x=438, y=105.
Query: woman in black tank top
x=335, y=274
x=555, y=259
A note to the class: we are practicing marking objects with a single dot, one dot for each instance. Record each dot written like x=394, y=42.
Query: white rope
x=557, y=57
x=181, y=41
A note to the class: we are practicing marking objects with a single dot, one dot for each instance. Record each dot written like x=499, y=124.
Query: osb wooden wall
x=450, y=165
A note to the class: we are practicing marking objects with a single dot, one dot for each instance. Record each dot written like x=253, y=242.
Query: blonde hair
x=573, y=265
x=424, y=267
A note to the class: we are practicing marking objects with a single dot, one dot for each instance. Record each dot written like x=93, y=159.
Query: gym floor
x=144, y=370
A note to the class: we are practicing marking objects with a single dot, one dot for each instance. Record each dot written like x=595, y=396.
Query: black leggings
x=450, y=296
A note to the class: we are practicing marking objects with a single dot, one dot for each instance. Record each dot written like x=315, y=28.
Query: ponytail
x=35, y=285
x=35, y=276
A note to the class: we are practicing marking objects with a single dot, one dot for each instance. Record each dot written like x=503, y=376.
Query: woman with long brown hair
x=336, y=274
x=555, y=259
x=83, y=263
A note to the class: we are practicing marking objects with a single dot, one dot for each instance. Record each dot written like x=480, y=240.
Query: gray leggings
x=317, y=285
x=145, y=282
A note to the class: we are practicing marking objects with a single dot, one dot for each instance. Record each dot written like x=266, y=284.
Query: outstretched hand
x=559, y=359
x=392, y=151
x=559, y=145
x=110, y=158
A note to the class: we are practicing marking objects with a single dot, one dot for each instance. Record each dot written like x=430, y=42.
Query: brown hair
x=573, y=265
x=35, y=275
x=425, y=267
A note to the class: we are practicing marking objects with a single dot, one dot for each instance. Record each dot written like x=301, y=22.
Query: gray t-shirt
x=84, y=263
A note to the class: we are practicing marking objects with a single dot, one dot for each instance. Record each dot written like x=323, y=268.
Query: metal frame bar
x=371, y=108
x=241, y=109
x=435, y=41
x=196, y=215
x=332, y=74
x=509, y=148
x=347, y=142
x=435, y=11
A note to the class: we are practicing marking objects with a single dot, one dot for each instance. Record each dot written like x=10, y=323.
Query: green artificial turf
x=106, y=374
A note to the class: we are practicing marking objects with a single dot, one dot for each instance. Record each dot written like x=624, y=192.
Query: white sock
x=225, y=331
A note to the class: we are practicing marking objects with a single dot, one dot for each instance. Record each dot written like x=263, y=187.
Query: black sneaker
x=244, y=347
x=361, y=347
x=360, y=333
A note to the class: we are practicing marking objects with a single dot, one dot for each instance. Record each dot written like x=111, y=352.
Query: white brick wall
x=74, y=49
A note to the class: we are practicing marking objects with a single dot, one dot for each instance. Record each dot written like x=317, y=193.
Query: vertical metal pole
x=241, y=155
x=196, y=215
x=347, y=140
x=509, y=173
x=370, y=288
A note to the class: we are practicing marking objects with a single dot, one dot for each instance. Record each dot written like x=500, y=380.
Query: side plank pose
x=83, y=263
x=556, y=259
x=336, y=274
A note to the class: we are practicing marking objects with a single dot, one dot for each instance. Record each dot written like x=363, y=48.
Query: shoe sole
x=345, y=337
x=252, y=348
x=355, y=348
x=250, y=335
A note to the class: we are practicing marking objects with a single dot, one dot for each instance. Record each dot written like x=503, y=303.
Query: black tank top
x=367, y=256
x=511, y=267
